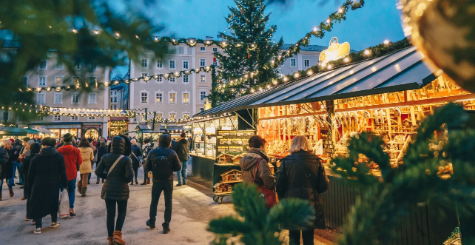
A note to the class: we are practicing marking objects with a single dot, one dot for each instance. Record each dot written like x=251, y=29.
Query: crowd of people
x=49, y=166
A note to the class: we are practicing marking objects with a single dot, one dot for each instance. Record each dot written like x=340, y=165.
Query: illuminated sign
x=335, y=51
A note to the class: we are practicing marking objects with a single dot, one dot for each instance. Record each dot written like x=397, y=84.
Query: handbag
x=113, y=165
x=267, y=193
x=63, y=209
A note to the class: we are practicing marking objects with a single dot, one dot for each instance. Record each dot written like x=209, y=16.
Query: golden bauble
x=444, y=30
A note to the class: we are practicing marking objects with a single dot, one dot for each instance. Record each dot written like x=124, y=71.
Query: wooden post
x=388, y=116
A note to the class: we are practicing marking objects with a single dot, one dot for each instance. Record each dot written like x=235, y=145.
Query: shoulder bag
x=268, y=194
x=113, y=165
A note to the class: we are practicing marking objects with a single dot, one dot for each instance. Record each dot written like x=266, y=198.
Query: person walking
x=72, y=160
x=302, y=176
x=33, y=149
x=147, y=147
x=25, y=153
x=46, y=172
x=254, y=165
x=87, y=155
x=16, y=149
x=162, y=161
x=101, y=151
x=135, y=154
x=182, y=150
x=5, y=167
x=116, y=168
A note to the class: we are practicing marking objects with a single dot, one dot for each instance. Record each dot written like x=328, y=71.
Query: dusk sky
x=376, y=21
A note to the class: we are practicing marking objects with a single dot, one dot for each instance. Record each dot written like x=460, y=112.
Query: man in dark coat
x=16, y=164
x=162, y=161
x=4, y=167
x=47, y=170
x=100, y=151
x=25, y=167
x=182, y=150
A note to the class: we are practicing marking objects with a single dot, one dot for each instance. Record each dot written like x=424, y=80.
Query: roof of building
x=303, y=48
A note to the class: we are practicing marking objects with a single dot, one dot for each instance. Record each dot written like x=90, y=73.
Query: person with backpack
x=147, y=147
x=135, y=154
x=181, y=148
x=116, y=168
x=162, y=162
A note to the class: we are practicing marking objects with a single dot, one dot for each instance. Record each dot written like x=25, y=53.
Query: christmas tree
x=250, y=48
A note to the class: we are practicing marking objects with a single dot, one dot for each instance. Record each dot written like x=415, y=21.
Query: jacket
x=116, y=186
x=182, y=149
x=87, y=155
x=72, y=160
x=170, y=154
x=62, y=144
x=101, y=151
x=248, y=167
x=301, y=175
x=135, y=156
x=46, y=172
x=4, y=160
x=16, y=149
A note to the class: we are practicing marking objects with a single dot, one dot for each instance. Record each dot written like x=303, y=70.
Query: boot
x=97, y=182
x=144, y=183
x=151, y=223
x=117, y=239
x=79, y=187
x=84, y=189
x=136, y=182
x=132, y=183
x=11, y=193
x=148, y=182
x=0, y=196
x=109, y=239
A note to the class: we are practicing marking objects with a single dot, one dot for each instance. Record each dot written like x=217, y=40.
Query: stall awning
x=399, y=71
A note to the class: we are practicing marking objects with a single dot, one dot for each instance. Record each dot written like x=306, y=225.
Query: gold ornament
x=444, y=31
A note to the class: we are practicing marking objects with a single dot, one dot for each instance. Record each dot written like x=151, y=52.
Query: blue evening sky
x=376, y=21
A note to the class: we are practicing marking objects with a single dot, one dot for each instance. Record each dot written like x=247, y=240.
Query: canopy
x=12, y=131
x=398, y=71
x=32, y=131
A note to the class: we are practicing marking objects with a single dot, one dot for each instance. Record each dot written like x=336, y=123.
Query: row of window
x=171, y=116
x=172, y=63
x=60, y=66
x=58, y=80
x=306, y=63
x=58, y=98
x=172, y=97
x=186, y=78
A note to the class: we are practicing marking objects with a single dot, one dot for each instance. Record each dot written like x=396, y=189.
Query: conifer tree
x=250, y=48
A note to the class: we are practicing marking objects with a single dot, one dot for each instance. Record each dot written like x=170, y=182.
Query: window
x=113, y=107
x=57, y=118
x=215, y=63
x=58, y=98
x=172, y=98
x=215, y=49
x=43, y=64
x=186, y=98
x=93, y=66
x=306, y=63
x=202, y=62
x=181, y=50
x=143, y=97
x=24, y=81
x=171, y=79
x=92, y=98
x=158, y=98
x=40, y=99
x=74, y=118
x=91, y=118
x=172, y=50
x=185, y=78
x=76, y=81
x=115, y=99
x=41, y=80
x=292, y=62
x=172, y=64
x=158, y=116
x=202, y=95
x=185, y=64
x=172, y=116
x=77, y=66
x=58, y=81
x=202, y=49
x=159, y=79
x=203, y=78
x=59, y=66
x=75, y=99
x=144, y=62
x=40, y=118
x=92, y=81
x=144, y=74
x=159, y=64
x=186, y=116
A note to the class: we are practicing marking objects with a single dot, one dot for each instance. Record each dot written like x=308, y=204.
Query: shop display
x=233, y=142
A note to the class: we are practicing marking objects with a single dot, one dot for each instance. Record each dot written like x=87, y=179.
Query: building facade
x=306, y=58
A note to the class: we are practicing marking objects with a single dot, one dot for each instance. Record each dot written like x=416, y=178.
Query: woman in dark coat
x=34, y=149
x=301, y=175
x=46, y=172
x=115, y=190
x=6, y=169
x=136, y=153
x=101, y=151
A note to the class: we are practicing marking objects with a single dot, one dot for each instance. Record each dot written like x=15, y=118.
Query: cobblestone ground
x=193, y=208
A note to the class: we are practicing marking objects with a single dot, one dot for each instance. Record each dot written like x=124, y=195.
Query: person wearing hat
x=72, y=161
x=25, y=164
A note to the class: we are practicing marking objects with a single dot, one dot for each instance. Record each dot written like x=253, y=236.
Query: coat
x=248, y=165
x=72, y=160
x=46, y=172
x=116, y=186
x=135, y=156
x=4, y=156
x=175, y=164
x=100, y=152
x=16, y=149
x=182, y=149
x=87, y=155
x=301, y=175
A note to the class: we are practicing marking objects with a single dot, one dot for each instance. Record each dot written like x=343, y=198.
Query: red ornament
x=214, y=59
x=242, y=11
x=248, y=56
